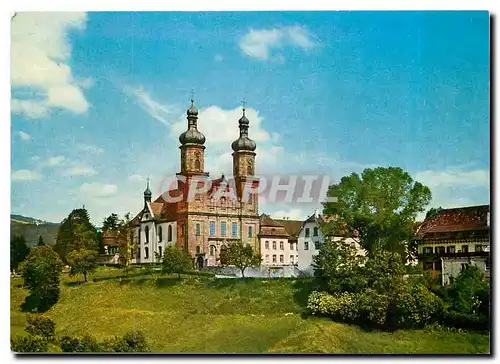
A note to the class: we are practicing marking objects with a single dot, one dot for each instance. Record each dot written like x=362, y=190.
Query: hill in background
x=32, y=228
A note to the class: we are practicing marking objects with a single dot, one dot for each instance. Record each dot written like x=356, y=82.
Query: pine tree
x=40, y=241
x=18, y=251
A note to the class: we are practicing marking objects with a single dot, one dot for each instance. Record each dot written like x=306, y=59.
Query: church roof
x=471, y=218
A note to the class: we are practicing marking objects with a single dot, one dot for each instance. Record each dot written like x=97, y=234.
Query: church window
x=146, y=253
x=198, y=249
x=465, y=248
x=198, y=229
x=306, y=245
x=234, y=229
x=212, y=228
x=223, y=228
x=139, y=235
x=274, y=245
x=160, y=253
x=440, y=250
x=315, y=231
x=160, y=234
x=450, y=249
x=197, y=165
x=169, y=233
x=267, y=244
x=212, y=250
x=281, y=245
x=250, y=231
x=274, y=258
x=282, y=258
x=146, y=232
x=307, y=232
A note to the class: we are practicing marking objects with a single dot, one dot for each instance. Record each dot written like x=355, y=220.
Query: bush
x=41, y=326
x=28, y=344
x=130, y=342
x=373, y=307
x=86, y=344
x=342, y=305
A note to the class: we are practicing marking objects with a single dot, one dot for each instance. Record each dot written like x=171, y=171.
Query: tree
x=381, y=205
x=18, y=251
x=40, y=241
x=82, y=261
x=432, y=211
x=176, y=260
x=125, y=239
x=42, y=272
x=76, y=232
x=338, y=267
x=242, y=256
x=112, y=222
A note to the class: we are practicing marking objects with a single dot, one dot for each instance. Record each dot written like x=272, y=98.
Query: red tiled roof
x=292, y=227
x=457, y=219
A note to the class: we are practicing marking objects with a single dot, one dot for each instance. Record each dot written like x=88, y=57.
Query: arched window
x=250, y=168
x=198, y=249
x=146, y=253
x=146, y=232
x=197, y=164
x=160, y=234
x=169, y=233
x=139, y=234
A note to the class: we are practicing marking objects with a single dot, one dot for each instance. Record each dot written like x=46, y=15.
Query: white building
x=151, y=233
x=311, y=239
x=277, y=246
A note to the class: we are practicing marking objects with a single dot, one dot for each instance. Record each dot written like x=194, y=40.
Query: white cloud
x=454, y=177
x=89, y=190
x=40, y=54
x=91, y=149
x=55, y=161
x=154, y=108
x=25, y=175
x=24, y=136
x=136, y=178
x=292, y=214
x=80, y=171
x=259, y=44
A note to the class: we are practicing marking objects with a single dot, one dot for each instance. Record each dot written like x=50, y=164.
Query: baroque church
x=206, y=224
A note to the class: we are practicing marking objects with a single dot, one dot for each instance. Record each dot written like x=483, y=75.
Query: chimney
x=316, y=213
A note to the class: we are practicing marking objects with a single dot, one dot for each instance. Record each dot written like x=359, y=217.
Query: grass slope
x=203, y=315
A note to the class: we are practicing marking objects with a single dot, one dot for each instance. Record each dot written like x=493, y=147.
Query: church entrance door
x=199, y=262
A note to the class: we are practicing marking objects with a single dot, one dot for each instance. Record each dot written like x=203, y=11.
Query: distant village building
x=278, y=241
x=207, y=225
x=454, y=238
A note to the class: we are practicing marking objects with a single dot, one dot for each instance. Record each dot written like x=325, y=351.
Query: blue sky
x=99, y=99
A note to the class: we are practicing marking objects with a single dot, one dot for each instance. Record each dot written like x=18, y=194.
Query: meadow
x=199, y=314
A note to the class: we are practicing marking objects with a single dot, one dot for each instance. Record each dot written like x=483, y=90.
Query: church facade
x=202, y=221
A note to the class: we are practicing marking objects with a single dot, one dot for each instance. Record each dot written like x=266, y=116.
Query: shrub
x=41, y=326
x=373, y=307
x=86, y=344
x=28, y=344
x=341, y=305
x=130, y=342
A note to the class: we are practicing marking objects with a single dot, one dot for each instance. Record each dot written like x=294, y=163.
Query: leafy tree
x=40, y=241
x=242, y=256
x=112, y=222
x=18, y=251
x=176, y=260
x=384, y=271
x=381, y=204
x=76, y=232
x=42, y=272
x=82, y=261
x=338, y=267
x=28, y=344
x=125, y=238
x=432, y=211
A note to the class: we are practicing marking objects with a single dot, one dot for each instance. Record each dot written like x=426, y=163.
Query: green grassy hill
x=204, y=315
x=28, y=227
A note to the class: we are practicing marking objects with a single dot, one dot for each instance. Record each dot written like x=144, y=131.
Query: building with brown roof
x=278, y=241
x=201, y=220
x=454, y=238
